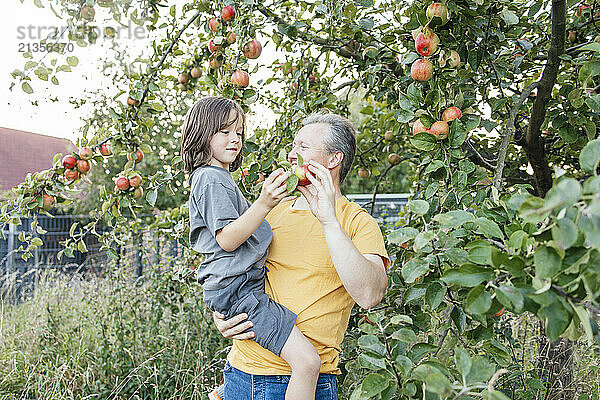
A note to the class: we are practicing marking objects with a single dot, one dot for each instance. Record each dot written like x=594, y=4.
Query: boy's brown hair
x=202, y=121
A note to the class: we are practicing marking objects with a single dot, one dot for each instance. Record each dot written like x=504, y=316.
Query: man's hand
x=233, y=327
x=322, y=199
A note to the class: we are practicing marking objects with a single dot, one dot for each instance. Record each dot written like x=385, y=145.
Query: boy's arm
x=232, y=235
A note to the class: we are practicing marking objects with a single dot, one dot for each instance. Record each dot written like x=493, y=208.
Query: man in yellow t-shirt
x=326, y=254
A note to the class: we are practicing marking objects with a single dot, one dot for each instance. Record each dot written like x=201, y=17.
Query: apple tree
x=488, y=108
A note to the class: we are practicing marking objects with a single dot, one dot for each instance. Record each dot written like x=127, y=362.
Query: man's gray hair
x=341, y=136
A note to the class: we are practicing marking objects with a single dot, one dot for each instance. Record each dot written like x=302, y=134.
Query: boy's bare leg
x=305, y=363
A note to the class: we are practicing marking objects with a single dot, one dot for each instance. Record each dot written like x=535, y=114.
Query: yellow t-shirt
x=302, y=277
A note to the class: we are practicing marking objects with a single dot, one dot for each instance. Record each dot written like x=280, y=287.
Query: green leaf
x=434, y=295
x=468, y=275
x=373, y=385
x=82, y=247
x=36, y=241
x=591, y=47
x=489, y=228
x=547, y=262
x=292, y=183
x=438, y=383
x=405, y=335
x=419, y=207
x=481, y=370
x=532, y=210
x=517, y=240
x=26, y=88
x=151, y=197
x=478, y=300
x=593, y=102
x=458, y=133
x=590, y=156
x=414, y=268
x=589, y=70
x=480, y=252
x=590, y=225
x=72, y=61
x=565, y=233
x=584, y=317
x=371, y=343
x=510, y=297
x=434, y=166
x=453, y=219
x=414, y=95
x=462, y=361
x=424, y=141
x=509, y=17
x=371, y=361
x=402, y=235
x=557, y=319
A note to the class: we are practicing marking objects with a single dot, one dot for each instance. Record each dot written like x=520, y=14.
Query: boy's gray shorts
x=272, y=322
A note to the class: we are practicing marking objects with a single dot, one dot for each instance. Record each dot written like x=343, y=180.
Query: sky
x=21, y=26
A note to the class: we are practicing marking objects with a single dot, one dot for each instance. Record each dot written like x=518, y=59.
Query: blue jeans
x=242, y=386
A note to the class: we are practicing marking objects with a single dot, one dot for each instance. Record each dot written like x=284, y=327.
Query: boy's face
x=226, y=144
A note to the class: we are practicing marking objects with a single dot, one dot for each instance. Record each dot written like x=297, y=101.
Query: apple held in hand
x=421, y=70
x=301, y=171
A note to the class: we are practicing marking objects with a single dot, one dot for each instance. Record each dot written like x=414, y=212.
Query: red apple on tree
x=138, y=192
x=364, y=173
x=426, y=42
x=231, y=37
x=105, y=149
x=440, y=129
x=135, y=181
x=83, y=166
x=388, y=135
x=438, y=10
x=240, y=78
x=196, y=72
x=122, y=183
x=418, y=127
x=85, y=153
x=48, y=201
x=71, y=174
x=215, y=62
x=228, y=13
x=69, y=161
x=421, y=70
x=214, y=24
x=394, y=159
x=138, y=155
x=132, y=102
x=451, y=113
x=184, y=78
x=213, y=48
x=88, y=13
x=252, y=49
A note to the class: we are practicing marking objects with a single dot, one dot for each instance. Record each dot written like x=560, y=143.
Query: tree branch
x=508, y=133
x=536, y=152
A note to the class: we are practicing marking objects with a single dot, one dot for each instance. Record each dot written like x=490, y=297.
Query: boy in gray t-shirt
x=233, y=282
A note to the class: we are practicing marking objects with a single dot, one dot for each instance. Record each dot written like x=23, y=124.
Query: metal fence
x=18, y=277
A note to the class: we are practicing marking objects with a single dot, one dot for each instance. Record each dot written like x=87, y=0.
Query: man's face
x=309, y=144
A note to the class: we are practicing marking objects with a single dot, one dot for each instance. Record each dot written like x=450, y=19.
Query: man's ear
x=335, y=159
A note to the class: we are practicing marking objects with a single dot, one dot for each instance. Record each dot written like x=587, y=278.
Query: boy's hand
x=233, y=328
x=274, y=190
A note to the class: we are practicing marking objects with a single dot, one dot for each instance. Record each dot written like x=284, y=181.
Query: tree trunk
x=555, y=367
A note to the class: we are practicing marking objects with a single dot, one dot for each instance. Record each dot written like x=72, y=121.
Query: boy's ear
x=335, y=159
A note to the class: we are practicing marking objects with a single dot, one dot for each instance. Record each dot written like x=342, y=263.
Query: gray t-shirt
x=215, y=201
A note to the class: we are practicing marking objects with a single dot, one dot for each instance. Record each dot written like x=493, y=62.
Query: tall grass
x=109, y=337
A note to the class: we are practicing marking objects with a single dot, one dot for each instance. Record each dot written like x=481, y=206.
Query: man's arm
x=363, y=275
